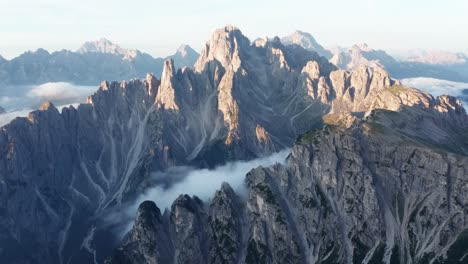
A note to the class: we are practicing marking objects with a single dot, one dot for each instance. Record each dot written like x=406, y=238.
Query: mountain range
x=376, y=174
x=436, y=64
x=102, y=59
x=93, y=62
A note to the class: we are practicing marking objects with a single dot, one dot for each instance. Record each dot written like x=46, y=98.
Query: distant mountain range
x=93, y=62
x=101, y=60
x=434, y=64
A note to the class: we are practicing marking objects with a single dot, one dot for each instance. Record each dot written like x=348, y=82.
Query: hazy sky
x=160, y=26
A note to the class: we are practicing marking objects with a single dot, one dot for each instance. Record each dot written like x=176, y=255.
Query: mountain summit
x=184, y=56
x=104, y=45
x=306, y=41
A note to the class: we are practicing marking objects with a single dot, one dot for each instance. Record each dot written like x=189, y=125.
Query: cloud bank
x=438, y=87
x=187, y=180
x=60, y=91
x=19, y=101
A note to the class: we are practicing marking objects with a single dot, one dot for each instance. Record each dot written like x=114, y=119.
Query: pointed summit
x=166, y=93
x=46, y=106
x=152, y=85
x=185, y=50
x=185, y=56
x=307, y=41
x=225, y=46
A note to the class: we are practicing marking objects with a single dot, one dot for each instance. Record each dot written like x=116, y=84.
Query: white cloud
x=20, y=100
x=187, y=180
x=204, y=182
x=60, y=91
x=9, y=116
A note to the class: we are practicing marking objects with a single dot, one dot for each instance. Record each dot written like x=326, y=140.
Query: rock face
x=367, y=193
x=2, y=111
x=93, y=62
x=61, y=173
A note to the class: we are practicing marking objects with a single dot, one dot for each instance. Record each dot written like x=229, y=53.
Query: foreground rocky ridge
x=61, y=173
x=368, y=192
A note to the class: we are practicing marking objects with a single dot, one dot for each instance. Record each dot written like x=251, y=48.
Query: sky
x=158, y=27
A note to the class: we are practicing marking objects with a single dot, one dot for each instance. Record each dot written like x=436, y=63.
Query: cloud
x=203, y=183
x=20, y=100
x=438, y=87
x=60, y=91
x=9, y=116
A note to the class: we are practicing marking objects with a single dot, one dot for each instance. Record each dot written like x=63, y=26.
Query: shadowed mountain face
x=364, y=190
x=92, y=63
x=240, y=101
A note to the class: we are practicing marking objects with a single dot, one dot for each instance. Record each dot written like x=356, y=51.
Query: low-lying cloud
x=60, y=91
x=438, y=87
x=200, y=182
x=204, y=182
x=19, y=101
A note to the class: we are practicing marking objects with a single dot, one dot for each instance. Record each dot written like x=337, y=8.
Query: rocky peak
x=312, y=70
x=166, y=94
x=307, y=41
x=104, y=86
x=261, y=42
x=2, y=110
x=147, y=213
x=152, y=85
x=224, y=46
x=47, y=105
x=450, y=105
x=150, y=232
x=362, y=54
x=101, y=45
x=451, y=102
x=184, y=56
x=186, y=203
x=185, y=50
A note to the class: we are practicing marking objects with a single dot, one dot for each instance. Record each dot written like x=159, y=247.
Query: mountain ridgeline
x=438, y=65
x=93, y=62
x=377, y=173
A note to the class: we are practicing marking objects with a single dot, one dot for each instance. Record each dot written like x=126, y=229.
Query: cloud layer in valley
x=20, y=100
x=200, y=182
x=438, y=87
